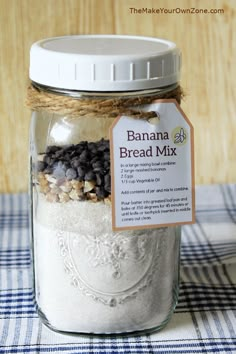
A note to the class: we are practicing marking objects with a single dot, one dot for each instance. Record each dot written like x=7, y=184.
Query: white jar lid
x=104, y=63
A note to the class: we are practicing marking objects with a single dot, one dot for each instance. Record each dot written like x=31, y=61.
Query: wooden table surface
x=208, y=77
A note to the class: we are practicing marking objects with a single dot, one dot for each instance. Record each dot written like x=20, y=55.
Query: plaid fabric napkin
x=204, y=320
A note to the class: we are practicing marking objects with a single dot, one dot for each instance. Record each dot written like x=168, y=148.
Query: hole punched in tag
x=155, y=120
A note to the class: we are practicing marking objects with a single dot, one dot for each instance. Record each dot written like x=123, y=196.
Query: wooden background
x=208, y=77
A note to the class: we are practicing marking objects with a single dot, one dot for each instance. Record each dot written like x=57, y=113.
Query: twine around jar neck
x=39, y=99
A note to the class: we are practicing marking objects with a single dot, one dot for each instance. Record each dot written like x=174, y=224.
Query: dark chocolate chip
x=81, y=172
x=89, y=176
x=106, y=156
x=75, y=163
x=47, y=159
x=83, y=145
x=52, y=162
x=79, y=149
x=99, y=179
x=97, y=165
x=84, y=156
x=92, y=146
x=107, y=178
x=107, y=187
x=101, y=193
x=73, y=154
x=67, y=157
x=52, y=149
x=93, y=152
x=106, y=164
x=107, y=182
x=41, y=166
x=59, y=153
x=101, y=148
x=94, y=159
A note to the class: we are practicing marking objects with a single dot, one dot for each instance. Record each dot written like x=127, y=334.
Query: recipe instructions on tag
x=145, y=207
x=152, y=170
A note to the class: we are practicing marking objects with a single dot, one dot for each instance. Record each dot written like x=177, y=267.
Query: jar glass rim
x=102, y=94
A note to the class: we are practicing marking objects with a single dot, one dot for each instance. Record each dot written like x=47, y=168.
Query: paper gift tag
x=152, y=169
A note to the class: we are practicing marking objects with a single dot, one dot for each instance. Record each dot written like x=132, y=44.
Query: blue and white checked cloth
x=204, y=320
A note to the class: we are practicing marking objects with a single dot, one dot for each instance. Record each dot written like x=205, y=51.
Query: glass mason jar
x=88, y=278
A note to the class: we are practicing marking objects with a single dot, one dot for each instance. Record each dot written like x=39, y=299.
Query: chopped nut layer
x=58, y=192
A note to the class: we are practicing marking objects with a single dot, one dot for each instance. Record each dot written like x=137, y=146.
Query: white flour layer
x=92, y=280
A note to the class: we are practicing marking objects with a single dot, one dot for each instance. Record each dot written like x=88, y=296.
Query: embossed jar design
x=90, y=278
